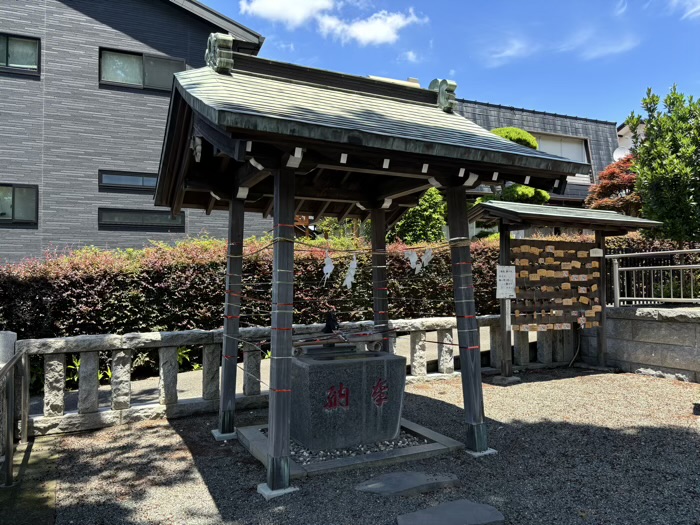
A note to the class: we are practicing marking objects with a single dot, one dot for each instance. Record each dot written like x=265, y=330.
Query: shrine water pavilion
x=246, y=134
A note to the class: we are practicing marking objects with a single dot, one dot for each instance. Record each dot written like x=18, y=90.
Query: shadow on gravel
x=547, y=472
x=544, y=473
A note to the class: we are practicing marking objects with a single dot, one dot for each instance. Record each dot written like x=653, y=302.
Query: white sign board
x=596, y=252
x=505, y=282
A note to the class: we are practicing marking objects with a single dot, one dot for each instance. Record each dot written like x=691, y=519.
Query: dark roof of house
x=535, y=111
x=238, y=31
x=319, y=105
x=537, y=215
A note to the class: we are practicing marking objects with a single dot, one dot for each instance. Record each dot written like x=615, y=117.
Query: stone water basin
x=347, y=398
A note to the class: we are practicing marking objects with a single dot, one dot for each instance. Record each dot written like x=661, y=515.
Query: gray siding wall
x=57, y=131
x=601, y=136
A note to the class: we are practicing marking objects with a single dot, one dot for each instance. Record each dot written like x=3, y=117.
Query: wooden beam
x=505, y=323
x=210, y=206
x=269, y=207
x=249, y=175
x=281, y=339
x=345, y=212
x=321, y=211
x=220, y=139
x=602, y=333
x=378, y=171
x=467, y=327
x=380, y=294
x=232, y=312
x=298, y=206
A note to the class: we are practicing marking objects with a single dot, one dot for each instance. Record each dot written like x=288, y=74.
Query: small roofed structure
x=513, y=216
x=249, y=134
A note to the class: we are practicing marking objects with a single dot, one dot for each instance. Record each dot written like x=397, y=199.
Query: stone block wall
x=661, y=339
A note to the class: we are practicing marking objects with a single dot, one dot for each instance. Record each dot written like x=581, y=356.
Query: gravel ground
x=575, y=447
x=304, y=456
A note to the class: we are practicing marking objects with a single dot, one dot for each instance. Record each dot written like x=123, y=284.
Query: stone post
x=121, y=379
x=211, y=360
x=251, y=366
x=545, y=341
x=446, y=363
x=167, y=384
x=88, y=384
x=54, y=384
x=522, y=348
x=418, y=359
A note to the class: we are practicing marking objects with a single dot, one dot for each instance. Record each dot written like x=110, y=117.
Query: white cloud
x=290, y=14
x=514, y=48
x=409, y=56
x=382, y=27
x=286, y=46
x=586, y=43
x=689, y=8
x=620, y=8
x=601, y=48
x=452, y=73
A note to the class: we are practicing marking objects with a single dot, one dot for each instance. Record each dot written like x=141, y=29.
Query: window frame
x=117, y=227
x=142, y=87
x=106, y=187
x=21, y=223
x=20, y=70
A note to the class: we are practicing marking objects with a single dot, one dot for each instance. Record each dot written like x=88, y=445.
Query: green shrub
x=517, y=135
x=527, y=194
x=181, y=287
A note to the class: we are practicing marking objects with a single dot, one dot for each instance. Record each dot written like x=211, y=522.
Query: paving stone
x=506, y=380
x=460, y=512
x=407, y=483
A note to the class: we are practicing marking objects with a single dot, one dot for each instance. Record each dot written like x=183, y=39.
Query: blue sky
x=591, y=58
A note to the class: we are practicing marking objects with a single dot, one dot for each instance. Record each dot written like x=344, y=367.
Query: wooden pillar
x=232, y=313
x=379, y=279
x=467, y=327
x=505, y=324
x=281, y=338
x=602, y=334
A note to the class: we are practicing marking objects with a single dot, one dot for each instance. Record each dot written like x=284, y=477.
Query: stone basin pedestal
x=343, y=399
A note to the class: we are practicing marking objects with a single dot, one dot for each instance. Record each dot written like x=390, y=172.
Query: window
x=572, y=148
x=126, y=182
x=567, y=147
x=19, y=206
x=138, y=70
x=19, y=54
x=113, y=219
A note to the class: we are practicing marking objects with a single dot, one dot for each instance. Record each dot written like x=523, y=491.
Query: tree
x=423, y=223
x=667, y=163
x=517, y=135
x=615, y=191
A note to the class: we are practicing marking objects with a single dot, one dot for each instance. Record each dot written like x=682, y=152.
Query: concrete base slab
x=269, y=494
x=223, y=437
x=460, y=512
x=506, y=380
x=487, y=452
x=407, y=483
x=255, y=442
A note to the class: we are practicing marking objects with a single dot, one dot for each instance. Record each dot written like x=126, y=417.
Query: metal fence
x=655, y=277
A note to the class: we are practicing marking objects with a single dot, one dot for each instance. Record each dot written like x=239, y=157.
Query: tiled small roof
x=535, y=214
x=251, y=101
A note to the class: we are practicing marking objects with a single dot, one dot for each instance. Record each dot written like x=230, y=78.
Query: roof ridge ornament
x=446, y=93
x=219, y=55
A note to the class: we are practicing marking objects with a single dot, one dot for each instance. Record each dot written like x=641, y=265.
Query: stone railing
x=90, y=415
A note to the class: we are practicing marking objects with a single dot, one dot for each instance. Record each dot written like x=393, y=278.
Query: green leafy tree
x=517, y=135
x=615, y=189
x=667, y=163
x=423, y=223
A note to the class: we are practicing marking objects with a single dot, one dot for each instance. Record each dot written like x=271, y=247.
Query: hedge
x=181, y=287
